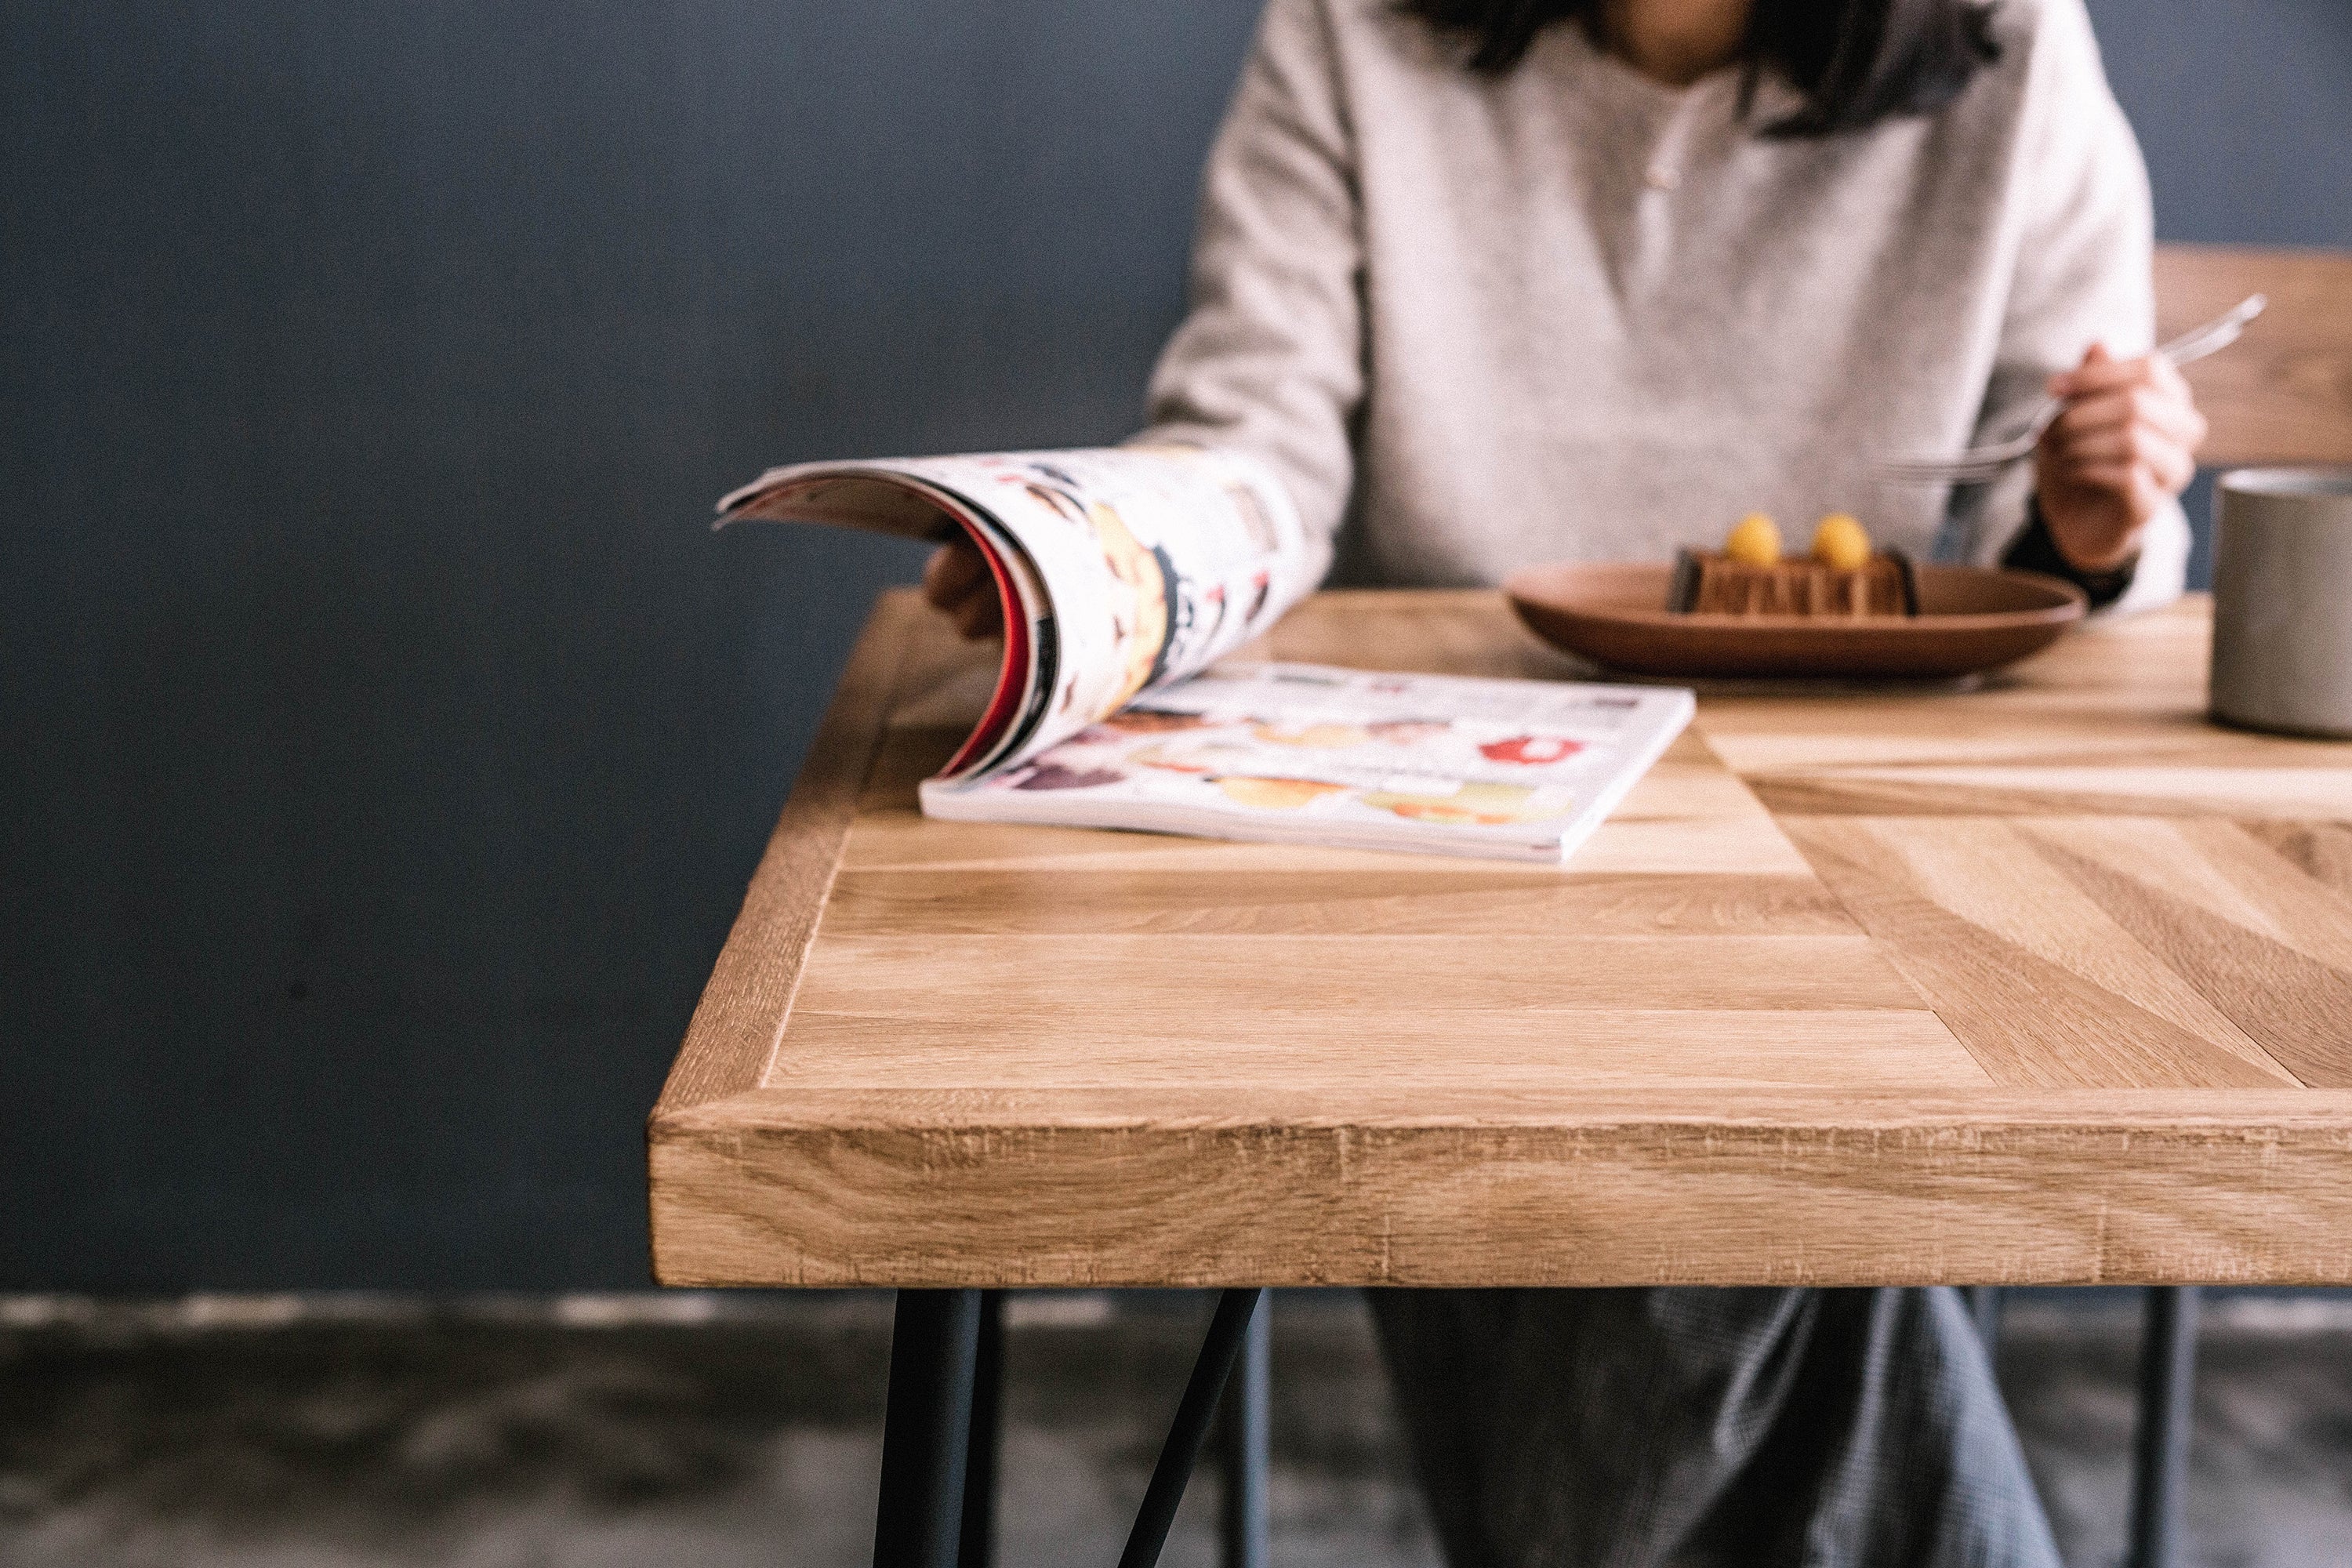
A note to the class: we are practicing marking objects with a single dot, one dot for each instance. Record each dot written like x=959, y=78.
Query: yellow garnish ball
x=1755, y=543
x=1842, y=542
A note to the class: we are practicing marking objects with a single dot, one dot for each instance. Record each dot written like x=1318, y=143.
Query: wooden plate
x=1969, y=620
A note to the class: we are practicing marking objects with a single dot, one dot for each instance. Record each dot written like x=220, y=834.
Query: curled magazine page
x=1134, y=566
x=885, y=498
x=1159, y=561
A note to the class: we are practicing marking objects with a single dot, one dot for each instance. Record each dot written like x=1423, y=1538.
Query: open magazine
x=1125, y=574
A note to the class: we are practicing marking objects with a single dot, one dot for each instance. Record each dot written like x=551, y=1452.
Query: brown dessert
x=1713, y=585
x=1844, y=578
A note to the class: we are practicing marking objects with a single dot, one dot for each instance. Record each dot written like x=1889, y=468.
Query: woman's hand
x=2126, y=444
x=959, y=586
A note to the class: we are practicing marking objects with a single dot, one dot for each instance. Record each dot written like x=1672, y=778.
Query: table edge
x=747, y=1002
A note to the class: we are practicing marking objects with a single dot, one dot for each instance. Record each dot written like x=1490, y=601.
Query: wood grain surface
x=2045, y=979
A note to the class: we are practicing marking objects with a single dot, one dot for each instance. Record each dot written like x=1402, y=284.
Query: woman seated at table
x=1493, y=282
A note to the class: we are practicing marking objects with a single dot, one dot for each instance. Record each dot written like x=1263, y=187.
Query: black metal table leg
x=2167, y=1370
x=1249, y=1443
x=976, y=1545
x=926, y=1428
x=1190, y=1430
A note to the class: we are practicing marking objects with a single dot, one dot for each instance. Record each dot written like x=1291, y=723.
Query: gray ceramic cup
x=2283, y=601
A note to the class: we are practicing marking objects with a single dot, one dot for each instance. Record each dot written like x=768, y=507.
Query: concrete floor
x=337, y=1432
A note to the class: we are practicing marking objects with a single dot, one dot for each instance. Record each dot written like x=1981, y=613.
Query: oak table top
x=2048, y=981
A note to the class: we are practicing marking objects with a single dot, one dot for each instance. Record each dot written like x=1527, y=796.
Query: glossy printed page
x=1318, y=754
x=1152, y=563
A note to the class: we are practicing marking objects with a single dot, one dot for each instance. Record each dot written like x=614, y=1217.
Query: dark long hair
x=1856, y=62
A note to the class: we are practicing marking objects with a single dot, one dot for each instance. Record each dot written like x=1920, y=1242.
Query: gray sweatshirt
x=1573, y=313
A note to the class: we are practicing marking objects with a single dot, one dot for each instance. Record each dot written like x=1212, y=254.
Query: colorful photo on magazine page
x=1146, y=564
x=1309, y=753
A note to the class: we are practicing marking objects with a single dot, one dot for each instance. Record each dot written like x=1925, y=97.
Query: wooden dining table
x=2040, y=979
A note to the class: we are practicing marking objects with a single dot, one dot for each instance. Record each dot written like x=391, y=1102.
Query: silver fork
x=1981, y=463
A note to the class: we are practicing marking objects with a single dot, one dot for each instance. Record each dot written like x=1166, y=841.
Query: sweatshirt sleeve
x=1269, y=360
x=2084, y=274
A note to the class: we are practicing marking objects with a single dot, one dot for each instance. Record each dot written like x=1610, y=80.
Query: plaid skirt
x=1709, y=1428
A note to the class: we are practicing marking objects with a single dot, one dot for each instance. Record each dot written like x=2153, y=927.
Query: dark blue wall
x=387, y=741
x=2244, y=110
